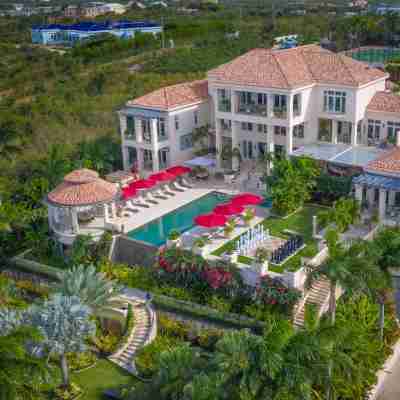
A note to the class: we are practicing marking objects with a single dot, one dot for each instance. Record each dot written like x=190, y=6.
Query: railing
x=162, y=137
x=280, y=113
x=129, y=135
x=257, y=109
x=224, y=105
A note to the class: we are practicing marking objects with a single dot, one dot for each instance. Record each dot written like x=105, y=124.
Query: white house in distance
x=301, y=101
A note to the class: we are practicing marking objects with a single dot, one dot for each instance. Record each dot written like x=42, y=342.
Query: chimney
x=398, y=139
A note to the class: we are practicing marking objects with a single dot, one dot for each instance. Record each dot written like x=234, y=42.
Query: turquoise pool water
x=181, y=219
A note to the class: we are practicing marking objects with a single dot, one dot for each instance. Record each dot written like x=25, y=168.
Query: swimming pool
x=156, y=232
x=375, y=55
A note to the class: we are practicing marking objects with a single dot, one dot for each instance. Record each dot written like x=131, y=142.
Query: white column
x=74, y=219
x=359, y=193
x=125, y=156
x=234, y=101
x=106, y=217
x=155, y=144
x=113, y=210
x=370, y=197
x=289, y=140
x=354, y=133
x=218, y=142
x=334, y=131
x=289, y=129
x=235, y=144
x=392, y=198
x=140, y=159
x=139, y=130
x=270, y=105
x=382, y=204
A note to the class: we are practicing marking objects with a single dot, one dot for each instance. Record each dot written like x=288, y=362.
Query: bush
x=78, y=361
x=147, y=357
x=69, y=393
x=173, y=328
x=208, y=338
x=32, y=288
x=106, y=343
x=129, y=320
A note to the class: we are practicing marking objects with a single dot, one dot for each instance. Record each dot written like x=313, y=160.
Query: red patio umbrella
x=228, y=209
x=247, y=199
x=178, y=170
x=210, y=220
x=128, y=192
x=143, y=184
x=162, y=176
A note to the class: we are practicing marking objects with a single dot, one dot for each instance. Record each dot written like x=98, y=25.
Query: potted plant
x=200, y=246
x=229, y=228
x=248, y=216
x=261, y=260
x=174, y=238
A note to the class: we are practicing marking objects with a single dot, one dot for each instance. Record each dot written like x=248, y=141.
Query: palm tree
x=22, y=372
x=93, y=289
x=65, y=325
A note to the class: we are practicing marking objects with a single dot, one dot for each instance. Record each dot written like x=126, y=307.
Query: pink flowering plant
x=274, y=292
x=190, y=270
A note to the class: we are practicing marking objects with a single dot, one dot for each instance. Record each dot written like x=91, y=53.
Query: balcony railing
x=130, y=135
x=162, y=137
x=147, y=138
x=255, y=109
x=279, y=112
x=224, y=105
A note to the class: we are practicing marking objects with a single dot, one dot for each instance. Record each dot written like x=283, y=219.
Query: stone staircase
x=317, y=296
x=143, y=332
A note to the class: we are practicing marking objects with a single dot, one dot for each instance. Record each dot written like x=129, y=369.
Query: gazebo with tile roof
x=80, y=205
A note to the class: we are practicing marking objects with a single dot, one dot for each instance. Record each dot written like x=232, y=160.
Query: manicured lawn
x=105, y=375
x=300, y=222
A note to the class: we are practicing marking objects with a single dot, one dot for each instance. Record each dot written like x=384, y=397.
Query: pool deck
x=146, y=215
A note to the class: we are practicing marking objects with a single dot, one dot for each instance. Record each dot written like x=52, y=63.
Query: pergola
x=81, y=204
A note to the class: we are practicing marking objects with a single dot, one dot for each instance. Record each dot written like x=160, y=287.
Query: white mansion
x=305, y=100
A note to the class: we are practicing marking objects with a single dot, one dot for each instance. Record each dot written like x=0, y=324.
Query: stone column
x=125, y=157
x=359, y=193
x=382, y=204
x=218, y=142
x=235, y=144
x=74, y=219
x=156, y=161
x=354, y=133
x=370, y=197
x=392, y=198
x=289, y=140
x=334, y=131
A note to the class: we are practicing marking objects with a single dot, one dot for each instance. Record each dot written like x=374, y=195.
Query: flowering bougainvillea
x=186, y=268
x=274, y=291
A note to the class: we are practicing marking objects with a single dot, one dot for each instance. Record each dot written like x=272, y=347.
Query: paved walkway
x=144, y=331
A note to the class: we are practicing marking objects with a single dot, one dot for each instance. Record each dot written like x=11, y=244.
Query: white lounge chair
x=186, y=183
x=176, y=187
x=140, y=201
x=150, y=198
x=131, y=207
x=159, y=195
x=164, y=189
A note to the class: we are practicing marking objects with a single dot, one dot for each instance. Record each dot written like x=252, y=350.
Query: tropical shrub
x=69, y=393
x=345, y=211
x=106, y=343
x=248, y=215
x=274, y=291
x=291, y=183
x=330, y=188
x=147, y=358
x=173, y=328
x=78, y=361
x=208, y=338
x=129, y=319
x=174, y=235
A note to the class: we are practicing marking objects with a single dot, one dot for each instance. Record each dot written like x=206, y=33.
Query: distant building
x=115, y=8
x=70, y=34
x=383, y=9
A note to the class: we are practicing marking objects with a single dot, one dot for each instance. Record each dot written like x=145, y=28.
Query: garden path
x=143, y=332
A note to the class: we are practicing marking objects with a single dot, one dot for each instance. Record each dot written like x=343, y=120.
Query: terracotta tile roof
x=293, y=68
x=387, y=163
x=385, y=102
x=174, y=96
x=82, y=187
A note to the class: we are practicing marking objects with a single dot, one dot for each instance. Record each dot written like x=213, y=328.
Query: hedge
x=203, y=312
x=32, y=266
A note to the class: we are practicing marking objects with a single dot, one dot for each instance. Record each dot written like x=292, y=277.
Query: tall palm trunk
x=332, y=316
x=381, y=318
x=64, y=370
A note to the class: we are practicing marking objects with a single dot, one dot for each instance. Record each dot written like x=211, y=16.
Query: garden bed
x=299, y=222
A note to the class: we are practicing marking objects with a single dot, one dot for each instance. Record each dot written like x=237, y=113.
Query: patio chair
x=150, y=198
x=164, y=190
x=131, y=207
x=157, y=193
x=185, y=183
x=176, y=187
